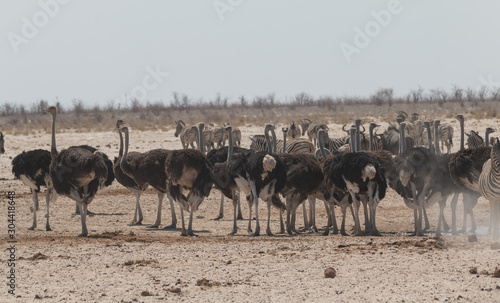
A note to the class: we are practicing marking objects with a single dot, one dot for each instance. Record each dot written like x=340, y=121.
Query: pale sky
x=98, y=50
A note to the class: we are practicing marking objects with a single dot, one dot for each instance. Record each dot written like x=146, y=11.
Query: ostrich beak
x=404, y=176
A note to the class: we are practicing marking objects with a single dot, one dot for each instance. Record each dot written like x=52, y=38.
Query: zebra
x=236, y=134
x=186, y=134
x=219, y=136
x=416, y=131
x=489, y=186
x=312, y=131
x=293, y=131
x=296, y=146
x=334, y=144
x=305, y=125
x=445, y=136
x=474, y=140
x=208, y=137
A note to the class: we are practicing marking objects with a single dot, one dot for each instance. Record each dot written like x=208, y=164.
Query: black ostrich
x=221, y=156
x=32, y=168
x=303, y=177
x=189, y=179
x=127, y=181
x=361, y=175
x=109, y=165
x=76, y=173
x=223, y=180
x=148, y=169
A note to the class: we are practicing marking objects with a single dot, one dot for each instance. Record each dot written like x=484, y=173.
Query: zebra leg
x=172, y=212
x=221, y=208
x=34, y=208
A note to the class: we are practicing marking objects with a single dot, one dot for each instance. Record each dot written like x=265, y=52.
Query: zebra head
x=180, y=126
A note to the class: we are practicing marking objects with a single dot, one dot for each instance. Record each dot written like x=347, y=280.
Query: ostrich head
x=460, y=118
x=51, y=110
x=119, y=124
x=180, y=126
x=490, y=130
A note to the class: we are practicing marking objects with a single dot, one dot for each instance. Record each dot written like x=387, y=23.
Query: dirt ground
x=123, y=263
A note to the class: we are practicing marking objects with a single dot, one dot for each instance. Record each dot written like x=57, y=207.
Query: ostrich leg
x=158, y=214
x=453, y=204
x=34, y=208
x=240, y=215
x=138, y=210
x=221, y=208
x=172, y=212
x=51, y=194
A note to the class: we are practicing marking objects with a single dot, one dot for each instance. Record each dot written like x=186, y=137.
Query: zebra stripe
x=474, y=140
x=489, y=186
x=297, y=146
x=186, y=134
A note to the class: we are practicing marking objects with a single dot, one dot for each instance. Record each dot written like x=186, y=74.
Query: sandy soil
x=122, y=263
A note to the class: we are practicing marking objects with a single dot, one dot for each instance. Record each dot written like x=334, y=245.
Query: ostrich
x=303, y=177
x=32, y=168
x=189, y=179
x=354, y=172
x=222, y=180
x=109, y=165
x=148, y=169
x=489, y=186
x=127, y=181
x=76, y=173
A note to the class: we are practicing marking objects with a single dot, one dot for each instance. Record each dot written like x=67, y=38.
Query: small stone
x=473, y=270
x=484, y=272
x=175, y=290
x=146, y=293
x=229, y=262
x=472, y=238
x=330, y=273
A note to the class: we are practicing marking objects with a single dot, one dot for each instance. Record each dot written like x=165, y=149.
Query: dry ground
x=118, y=262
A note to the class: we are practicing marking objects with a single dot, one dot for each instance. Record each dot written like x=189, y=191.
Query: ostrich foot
x=83, y=235
x=135, y=223
x=171, y=226
x=47, y=228
x=249, y=230
x=184, y=233
x=32, y=227
x=269, y=232
x=256, y=233
x=154, y=226
x=376, y=233
x=218, y=217
x=326, y=232
x=240, y=217
x=232, y=233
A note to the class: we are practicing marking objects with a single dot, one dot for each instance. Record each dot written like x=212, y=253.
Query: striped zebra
x=296, y=146
x=208, y=136
x=304, y=124
x=333, y=145
x=445, y=136
x=489, y=186
x=219, y=137
x=416, y=131
x=186, y=134
x=293, y=131
x=474, y=140
x=312, y=131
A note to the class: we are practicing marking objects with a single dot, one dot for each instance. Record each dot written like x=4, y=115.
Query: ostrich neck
x=429, y=135
x=371, y=138
x=436, y=139
x=201, y=142
x=230, y=147
x=353, y=140
x=487, y=139
x=321, y=146
x=198, y=141
x=401, y=138
x=124, y=165
x=120, y=151
x=462, y=135
x=268, y=141
x=53, y=148
x=284, y=142
x=275, y=143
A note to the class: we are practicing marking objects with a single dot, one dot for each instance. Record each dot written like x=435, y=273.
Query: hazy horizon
x=99, y=51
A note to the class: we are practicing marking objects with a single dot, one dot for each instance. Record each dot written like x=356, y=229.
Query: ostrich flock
x=347, y=172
